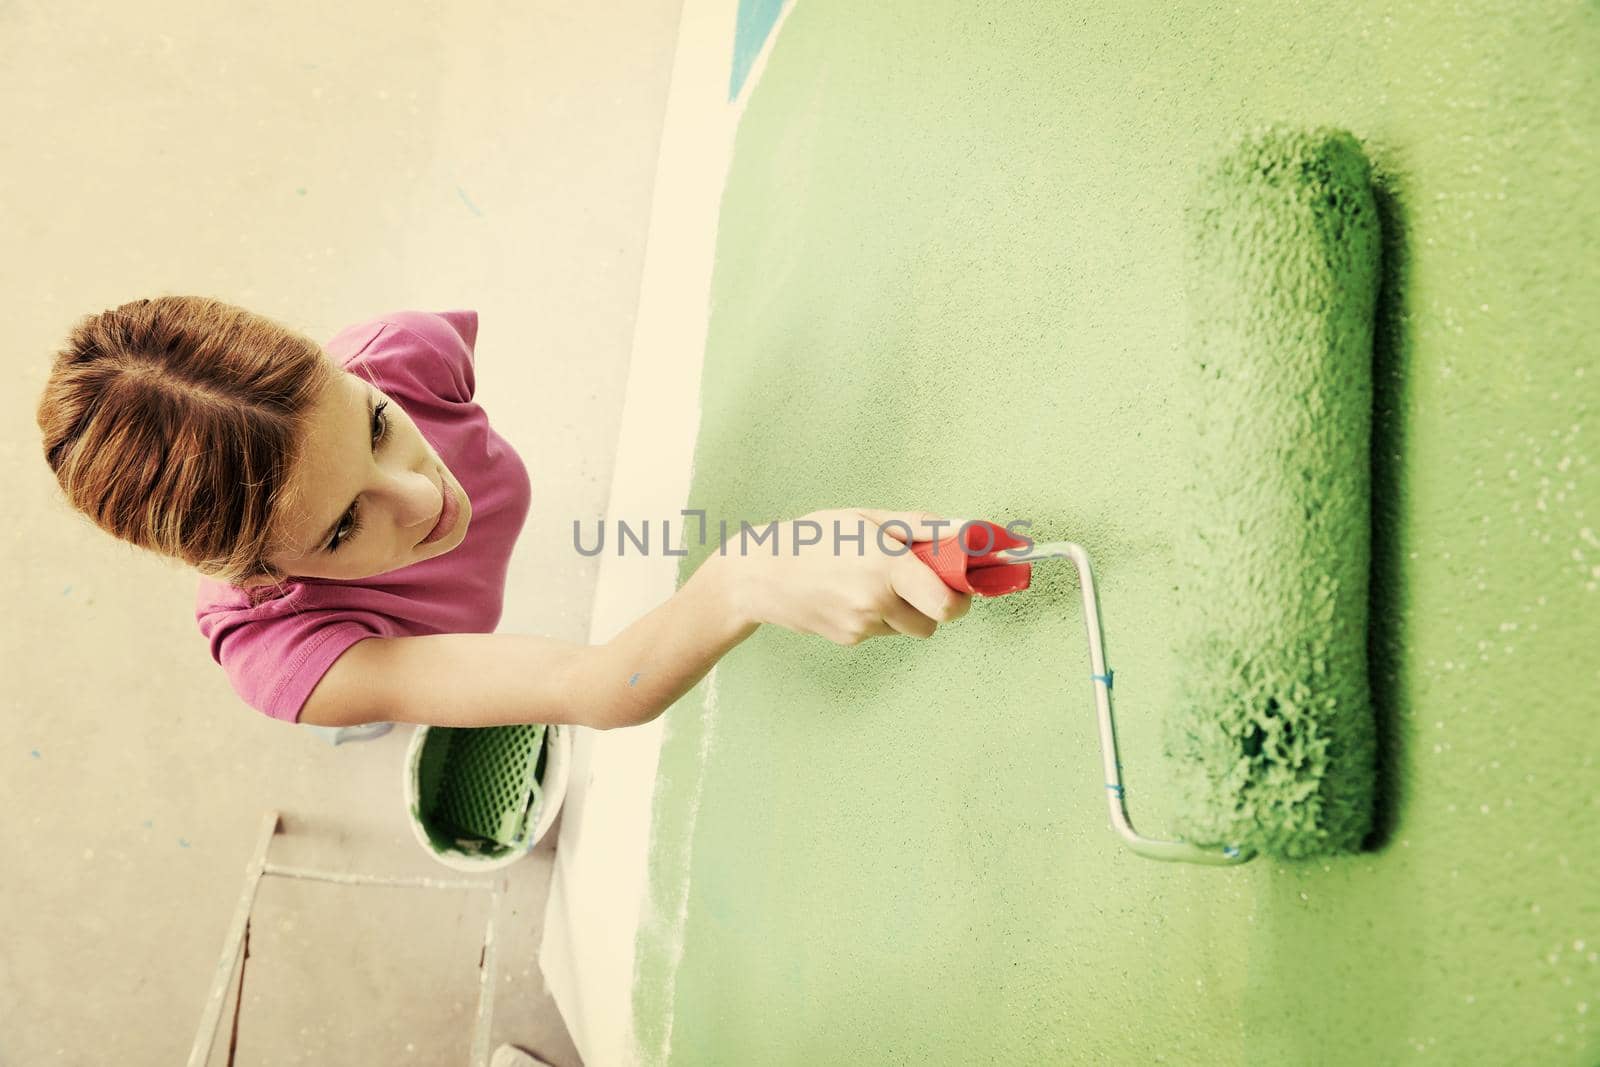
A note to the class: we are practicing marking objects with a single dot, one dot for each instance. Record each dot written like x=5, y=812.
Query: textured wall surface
x=950, y=276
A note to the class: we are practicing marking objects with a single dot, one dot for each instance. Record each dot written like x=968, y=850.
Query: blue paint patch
x=635, y=678
x=470, y=205
x=35, y=754
x=182, y=843
x=755, y=22
x=67, y=590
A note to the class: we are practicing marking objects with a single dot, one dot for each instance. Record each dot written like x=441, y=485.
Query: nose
x=417, y=498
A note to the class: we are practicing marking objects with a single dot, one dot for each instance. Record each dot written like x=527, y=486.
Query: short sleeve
x=452, y=337
x=274, y=662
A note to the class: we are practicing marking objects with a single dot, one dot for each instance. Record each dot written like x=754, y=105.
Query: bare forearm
x=490, y=679
x=642, y=671
x=473, y=679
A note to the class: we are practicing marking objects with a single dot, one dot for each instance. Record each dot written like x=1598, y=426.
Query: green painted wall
x=949, y=276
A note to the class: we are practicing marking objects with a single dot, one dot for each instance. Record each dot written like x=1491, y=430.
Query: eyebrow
x=322, y=545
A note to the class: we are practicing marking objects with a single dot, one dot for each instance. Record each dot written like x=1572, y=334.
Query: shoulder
x=274, y=648
x=428, y=351
x=444, y=330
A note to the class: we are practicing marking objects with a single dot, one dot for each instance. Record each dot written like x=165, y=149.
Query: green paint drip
x=1274, y=733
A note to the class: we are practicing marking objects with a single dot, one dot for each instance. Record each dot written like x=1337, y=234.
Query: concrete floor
x=320, y=165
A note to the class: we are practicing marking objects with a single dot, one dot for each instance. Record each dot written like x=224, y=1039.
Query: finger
x=846, y=637
x=916, y=521
x=916, y=583
x=881, y=628
x=908, y=620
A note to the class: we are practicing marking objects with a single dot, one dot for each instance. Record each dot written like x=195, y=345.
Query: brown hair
x=173, y=423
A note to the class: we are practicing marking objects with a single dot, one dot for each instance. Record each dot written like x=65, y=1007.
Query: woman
x=352, y=514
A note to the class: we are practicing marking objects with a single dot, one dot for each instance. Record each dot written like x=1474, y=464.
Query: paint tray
x=478, y=787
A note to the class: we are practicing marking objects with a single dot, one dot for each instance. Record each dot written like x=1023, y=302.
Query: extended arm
x=497, y=679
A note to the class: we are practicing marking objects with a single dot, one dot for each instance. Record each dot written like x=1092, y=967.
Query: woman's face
x=369, y=494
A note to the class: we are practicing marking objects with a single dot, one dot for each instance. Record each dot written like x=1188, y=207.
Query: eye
x=347, y=529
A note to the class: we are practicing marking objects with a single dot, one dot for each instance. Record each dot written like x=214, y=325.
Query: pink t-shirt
x=275, y=646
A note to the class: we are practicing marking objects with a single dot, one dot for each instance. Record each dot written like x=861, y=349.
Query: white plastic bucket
x=553, y=783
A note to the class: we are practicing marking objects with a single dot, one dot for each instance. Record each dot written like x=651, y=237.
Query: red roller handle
x=987, y=573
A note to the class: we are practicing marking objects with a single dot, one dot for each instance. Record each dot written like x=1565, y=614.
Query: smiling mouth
x=448, y=511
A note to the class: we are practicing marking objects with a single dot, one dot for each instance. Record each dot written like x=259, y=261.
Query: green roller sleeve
x=480, y=784
x=1274, y=740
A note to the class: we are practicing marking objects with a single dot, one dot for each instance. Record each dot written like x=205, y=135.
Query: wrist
x=732, y=589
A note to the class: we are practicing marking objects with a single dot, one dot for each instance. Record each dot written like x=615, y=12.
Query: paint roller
x=1274, y=735
x=1273, y=739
